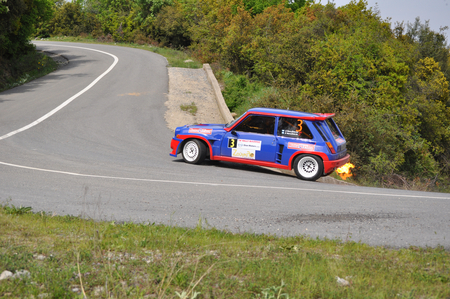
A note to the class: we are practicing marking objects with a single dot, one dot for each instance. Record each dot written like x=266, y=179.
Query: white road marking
x=67, y=102
x=215, y=184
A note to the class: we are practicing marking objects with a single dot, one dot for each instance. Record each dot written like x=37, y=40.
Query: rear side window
x=294, y=128
x=333, y=128
x=320, y=132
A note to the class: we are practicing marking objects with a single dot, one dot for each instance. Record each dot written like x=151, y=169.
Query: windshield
x=231, y=123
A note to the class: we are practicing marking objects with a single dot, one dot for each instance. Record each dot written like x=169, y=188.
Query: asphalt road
x=104, y=153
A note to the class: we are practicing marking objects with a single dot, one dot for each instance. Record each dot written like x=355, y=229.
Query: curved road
x=90, y=139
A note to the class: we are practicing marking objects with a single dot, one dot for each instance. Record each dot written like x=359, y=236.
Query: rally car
x=311, y=144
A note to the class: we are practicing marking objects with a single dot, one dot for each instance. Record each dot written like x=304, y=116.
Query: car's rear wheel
x=308, y=168
x=194, y=151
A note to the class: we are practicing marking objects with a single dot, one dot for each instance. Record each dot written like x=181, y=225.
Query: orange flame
x=345, y=170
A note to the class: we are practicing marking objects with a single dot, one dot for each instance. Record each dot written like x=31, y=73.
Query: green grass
x=175, y=58
x=191, y=108
x=69, y=257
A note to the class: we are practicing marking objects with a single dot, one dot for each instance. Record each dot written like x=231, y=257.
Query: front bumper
x=174, y=146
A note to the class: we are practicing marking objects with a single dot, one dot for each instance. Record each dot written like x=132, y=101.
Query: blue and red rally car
x=311, y=144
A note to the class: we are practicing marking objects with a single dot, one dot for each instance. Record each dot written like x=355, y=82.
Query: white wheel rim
x=190, y=151
x=308, y=167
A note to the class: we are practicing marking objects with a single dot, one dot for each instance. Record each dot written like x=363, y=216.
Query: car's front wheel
x=194, y=151
x=308, y=168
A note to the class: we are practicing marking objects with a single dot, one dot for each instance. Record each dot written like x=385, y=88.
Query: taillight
x=330, y=146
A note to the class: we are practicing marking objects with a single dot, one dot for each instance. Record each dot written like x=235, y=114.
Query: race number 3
x=232, y=142
x=300, y=123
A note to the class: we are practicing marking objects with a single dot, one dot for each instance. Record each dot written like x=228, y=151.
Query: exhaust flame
x=345, y=170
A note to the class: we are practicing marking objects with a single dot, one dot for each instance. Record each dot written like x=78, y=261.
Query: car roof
x=291, y=113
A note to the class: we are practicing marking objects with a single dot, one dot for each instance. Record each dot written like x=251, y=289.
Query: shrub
x=170, y=28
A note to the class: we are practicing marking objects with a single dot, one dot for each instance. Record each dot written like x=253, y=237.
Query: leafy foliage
x=17, y=71
x=240, y=92
x=13, y=210
x=17, y=21
x=151, y=7
x=70, y=19
x=170, y=27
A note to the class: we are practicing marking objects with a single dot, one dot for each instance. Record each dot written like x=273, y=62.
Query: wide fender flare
x=187, y=137
x=323, y=156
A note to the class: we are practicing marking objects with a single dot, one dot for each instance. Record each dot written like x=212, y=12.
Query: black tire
x=194, y=151
x=308, y=167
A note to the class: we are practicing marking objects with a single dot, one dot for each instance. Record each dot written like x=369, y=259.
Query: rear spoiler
x=320, y=116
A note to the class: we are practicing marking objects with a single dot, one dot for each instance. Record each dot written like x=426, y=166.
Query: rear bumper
x=329, y=166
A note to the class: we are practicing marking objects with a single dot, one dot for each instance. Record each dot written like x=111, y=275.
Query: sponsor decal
x=340, y=140
x=249, y=144
x=200, y=131
x=289, y=132
x=301, y=146
x=244, y=144
x=240, y=153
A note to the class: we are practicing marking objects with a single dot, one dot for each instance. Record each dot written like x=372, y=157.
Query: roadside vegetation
x=25, y=68
x=70, y=257
x=387, y=83
x=191, y=108
x=19, y=63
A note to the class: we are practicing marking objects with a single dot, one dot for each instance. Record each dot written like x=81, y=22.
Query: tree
x=150, y=8
x=430, y=44
x=18, y=19
x=171, y=28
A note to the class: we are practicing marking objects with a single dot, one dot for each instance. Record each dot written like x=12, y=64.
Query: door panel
x=253, y=138
x=261, y=147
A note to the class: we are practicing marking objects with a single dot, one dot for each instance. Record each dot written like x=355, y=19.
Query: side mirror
x=233, y=132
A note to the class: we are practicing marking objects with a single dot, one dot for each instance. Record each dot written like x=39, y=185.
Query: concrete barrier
x=223, y=108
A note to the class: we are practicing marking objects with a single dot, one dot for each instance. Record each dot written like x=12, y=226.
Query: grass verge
x=21, y=70
x=69, y=257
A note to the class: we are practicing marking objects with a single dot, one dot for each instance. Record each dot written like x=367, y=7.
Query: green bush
x=18, y=19
x=17, y=71
x=69, y=20
x=170, y=28
x=240, y=93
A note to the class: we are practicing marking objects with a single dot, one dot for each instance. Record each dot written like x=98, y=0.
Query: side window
x=320, y=132
x=294, y=128
x=334, y=130
x=257, y=124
